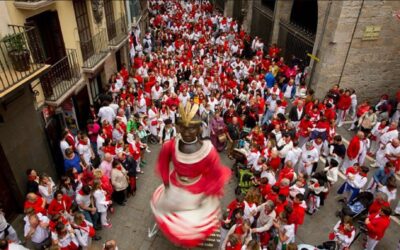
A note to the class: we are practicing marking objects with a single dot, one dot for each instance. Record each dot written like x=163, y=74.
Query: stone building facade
x=357, y=42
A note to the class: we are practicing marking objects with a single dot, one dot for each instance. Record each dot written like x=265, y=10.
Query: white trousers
x=371, y=244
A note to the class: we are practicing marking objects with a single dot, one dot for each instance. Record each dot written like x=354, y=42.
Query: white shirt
x=286, y=147
x=44, y=191
x=100, y=200
x=107, y=113
x=40, y=233
x=156, y=94
x=293, y=155
x=85, y=152
x=183, y=99
x=308, y=156
x=83, y=200
x=63, y=146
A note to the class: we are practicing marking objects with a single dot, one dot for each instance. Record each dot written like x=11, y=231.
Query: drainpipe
x=327, y=12
x=351, y=42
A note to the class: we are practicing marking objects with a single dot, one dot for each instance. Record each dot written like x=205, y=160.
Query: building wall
x=22, y=137
x=372, y=66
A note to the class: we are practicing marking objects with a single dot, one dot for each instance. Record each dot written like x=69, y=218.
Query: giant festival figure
x=187, y=205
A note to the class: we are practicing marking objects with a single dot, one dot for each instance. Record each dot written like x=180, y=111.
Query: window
x=85, y=35
x=109, y=13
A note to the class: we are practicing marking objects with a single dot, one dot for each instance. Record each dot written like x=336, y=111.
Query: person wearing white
x=390, y=152
x=266, y=218
x=344, y=240
x=85, y=151
x=6, y=230
x=284, y=145
x=293, y=154
x=309, y=156
x=36, y=230
x=101, y=203
x=106, y=113
x=390, y=134
x=286, y=232
x=4, y=244
x=47, y=188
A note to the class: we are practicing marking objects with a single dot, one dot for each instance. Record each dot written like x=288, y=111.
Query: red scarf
x=82, y=142
x=343, y=231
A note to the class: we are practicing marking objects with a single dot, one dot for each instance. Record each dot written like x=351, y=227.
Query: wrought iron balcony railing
x=21, y=56
x=94, y=49
x=118, y=31
x=61, y=77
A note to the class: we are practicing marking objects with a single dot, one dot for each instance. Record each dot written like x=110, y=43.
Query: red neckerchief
x=82, y=193
x=363, y=174
x=381, y=126
x=32, y=178
x=119, y=168
x=82, y=142
x=344, y=231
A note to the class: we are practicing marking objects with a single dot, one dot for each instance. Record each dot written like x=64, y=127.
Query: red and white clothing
x=376, y=229
x=353, y=152
x=389, y=153
x=187, y=211
x=342, y=236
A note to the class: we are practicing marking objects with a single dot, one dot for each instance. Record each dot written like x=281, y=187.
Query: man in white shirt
x=293, y=154
x=309, y=156
x=390, y=152
x=106, y=113
x=36, y=230
x=284, y=145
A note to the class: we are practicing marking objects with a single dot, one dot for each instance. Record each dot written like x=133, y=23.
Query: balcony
x=117, y=33
x=58, y=83
x=94, y=51
x=32, y=4
x=21, y=58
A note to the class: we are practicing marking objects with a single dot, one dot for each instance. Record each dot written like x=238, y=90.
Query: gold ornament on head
x=187, y=114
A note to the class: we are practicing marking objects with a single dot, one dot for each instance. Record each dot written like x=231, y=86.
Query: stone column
x=248, y=6
x=228, y=9
x=283, y=10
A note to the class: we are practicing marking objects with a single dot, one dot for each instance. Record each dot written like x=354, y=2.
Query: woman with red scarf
x=61, y=204
x=343, y=233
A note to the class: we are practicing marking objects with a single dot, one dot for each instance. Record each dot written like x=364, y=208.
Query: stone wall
x=23, y=138
x=372, y=66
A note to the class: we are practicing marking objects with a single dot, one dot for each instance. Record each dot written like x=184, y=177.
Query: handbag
x=222, y=138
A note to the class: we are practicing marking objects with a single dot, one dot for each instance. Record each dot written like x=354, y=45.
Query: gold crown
x=188, y=113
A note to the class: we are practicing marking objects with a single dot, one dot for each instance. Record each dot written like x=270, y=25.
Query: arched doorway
x=297, y=36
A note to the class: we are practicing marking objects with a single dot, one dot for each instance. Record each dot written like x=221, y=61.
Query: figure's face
x=189, y=133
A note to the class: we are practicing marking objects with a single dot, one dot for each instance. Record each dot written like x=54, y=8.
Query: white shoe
x=148, y=150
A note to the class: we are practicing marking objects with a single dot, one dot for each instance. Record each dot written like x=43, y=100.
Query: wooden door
x=48, y=26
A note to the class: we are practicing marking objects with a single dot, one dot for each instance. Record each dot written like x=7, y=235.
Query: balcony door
x=85, y=35
x=48, y=25
x=110, y=20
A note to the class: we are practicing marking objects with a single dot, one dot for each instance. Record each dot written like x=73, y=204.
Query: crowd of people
x=254, y=104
